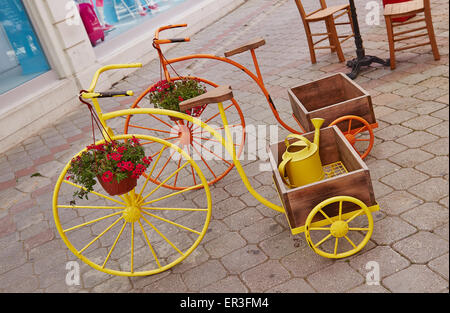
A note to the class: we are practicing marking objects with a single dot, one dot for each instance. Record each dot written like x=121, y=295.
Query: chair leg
x=335, y=39
x=431, y=35
x=390, y=34
x=310, y=44
x=330, y=38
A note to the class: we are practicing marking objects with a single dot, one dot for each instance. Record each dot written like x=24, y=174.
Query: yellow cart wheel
x=146, y=231
x=343, y=226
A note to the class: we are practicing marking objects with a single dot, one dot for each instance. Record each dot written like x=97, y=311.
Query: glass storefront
x=104, y=19
x=21, y=55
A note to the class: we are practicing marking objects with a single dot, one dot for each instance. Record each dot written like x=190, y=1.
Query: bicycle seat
x=216, y=95
x=248, y=46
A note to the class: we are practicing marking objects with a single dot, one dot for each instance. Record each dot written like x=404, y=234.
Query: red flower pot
x=398, y=19
x=114, y=188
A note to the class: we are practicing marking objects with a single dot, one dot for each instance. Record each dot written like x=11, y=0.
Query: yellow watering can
x=301, y=163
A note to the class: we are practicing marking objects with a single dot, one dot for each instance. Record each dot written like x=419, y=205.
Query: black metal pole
x=361, y=58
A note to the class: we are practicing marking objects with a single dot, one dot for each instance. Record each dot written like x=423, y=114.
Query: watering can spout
x=317, y=122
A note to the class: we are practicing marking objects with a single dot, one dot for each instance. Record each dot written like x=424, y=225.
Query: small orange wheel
x=358, y=132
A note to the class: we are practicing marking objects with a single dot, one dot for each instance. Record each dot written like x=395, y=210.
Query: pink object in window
x=91, y=23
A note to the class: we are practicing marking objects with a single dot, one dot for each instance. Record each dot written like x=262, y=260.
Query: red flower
x=68, y=177
x=180, y=99
x=147, y=160
x=107, y=176
x=135, y=140
x=126, y=166
x=114, y=156
x=121, y=150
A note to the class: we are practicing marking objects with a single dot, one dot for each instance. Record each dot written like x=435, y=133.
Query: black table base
x=362, y=59
x=366, y=60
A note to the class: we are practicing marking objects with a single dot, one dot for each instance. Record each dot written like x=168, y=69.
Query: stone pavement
x=249, y=248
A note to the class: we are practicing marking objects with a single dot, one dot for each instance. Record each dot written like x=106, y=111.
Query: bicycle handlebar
x=106, y=94
x=158, y=41
x=107, y=68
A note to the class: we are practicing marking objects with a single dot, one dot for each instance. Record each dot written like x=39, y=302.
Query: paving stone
x=422, y=122
x=339, y=277
x=265, y=276
x=279, y=245
x=115, y=284
x=438, y=147
x=404, y=178
x=410, y=157
x=417, y=139
x=243, y=259
x=195, y=278
x=398, y=202
x=421, y=247
x=440, y=265
x=434, y=188
x=415, y=279
x=389, y=261
x=295, y=285
x=437, y=166
x=381, y=168
x=243, y=218
x=441, y=130
x=386, y=149
x=390, y=230
x=230, y=284
x=172, y=283
x=224, y=244
x=392, y=132
x=442, y=231
x=427, y=216
x=398, y=117
x=365, y=288
x=261, y=230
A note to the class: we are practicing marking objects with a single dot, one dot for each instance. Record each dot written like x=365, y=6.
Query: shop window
x=104, y=19
x=21, y=55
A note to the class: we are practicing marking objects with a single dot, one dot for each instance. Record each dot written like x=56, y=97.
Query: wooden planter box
x=330, y=98
x=354, y=182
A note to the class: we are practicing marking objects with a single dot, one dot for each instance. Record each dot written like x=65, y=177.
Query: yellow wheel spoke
x=164, y=181
x=351, y=242
x=93, y=192
x=355, y=216
x=322, y=241
x=172, y=194
x=92, y=221
x=173, y=209
x=319, y=228
x=340, y=210
x=151, y=171
x=114, y=244
x=172, y=223
x=164, y=237
x=326, y=216
x=149, y=244
x=359, y=228
x=101, y=234
x=91, y=207
x=336, y=246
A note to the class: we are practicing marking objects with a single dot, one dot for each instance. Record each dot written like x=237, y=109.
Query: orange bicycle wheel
x=358, y=133
x=210, y=155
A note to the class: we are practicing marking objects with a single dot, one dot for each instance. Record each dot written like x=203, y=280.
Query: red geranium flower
x=107, y=176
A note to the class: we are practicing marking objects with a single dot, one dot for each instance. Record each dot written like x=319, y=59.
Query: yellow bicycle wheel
x=346, y=227
x=146, y=231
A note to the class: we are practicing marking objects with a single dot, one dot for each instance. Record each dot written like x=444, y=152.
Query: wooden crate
x=356, y=182
x=330, y=98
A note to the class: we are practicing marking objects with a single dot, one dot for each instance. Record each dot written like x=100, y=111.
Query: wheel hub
x=350, y=138
x=132, y=214
x=339, y=229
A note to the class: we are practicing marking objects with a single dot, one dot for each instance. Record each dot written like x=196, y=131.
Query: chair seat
x=320, y=15
x=403, y=8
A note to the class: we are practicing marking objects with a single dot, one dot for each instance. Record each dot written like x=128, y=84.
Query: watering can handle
x=301, y=141
x=282, y=170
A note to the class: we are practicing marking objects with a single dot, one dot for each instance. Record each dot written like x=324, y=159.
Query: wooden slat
x=413, y=46
x=409, y=7
x=410, y=31
x=248, y=46
x=216, y=95
x=322, y=14
x=410, y=37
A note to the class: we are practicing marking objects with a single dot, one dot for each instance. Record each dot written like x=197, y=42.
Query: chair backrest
x=302, y=11
x=426, y=4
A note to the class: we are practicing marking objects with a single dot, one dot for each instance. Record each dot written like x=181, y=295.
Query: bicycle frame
x=257, y=78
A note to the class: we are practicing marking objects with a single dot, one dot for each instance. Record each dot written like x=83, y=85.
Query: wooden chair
x=402, y=9
x=327, y=15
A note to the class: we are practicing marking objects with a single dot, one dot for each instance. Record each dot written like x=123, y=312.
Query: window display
x=21, y=55
x=108, y=18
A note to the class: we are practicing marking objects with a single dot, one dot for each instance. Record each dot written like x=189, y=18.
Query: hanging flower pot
x=115, y=188
x=168, y=95
x=115, y=165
